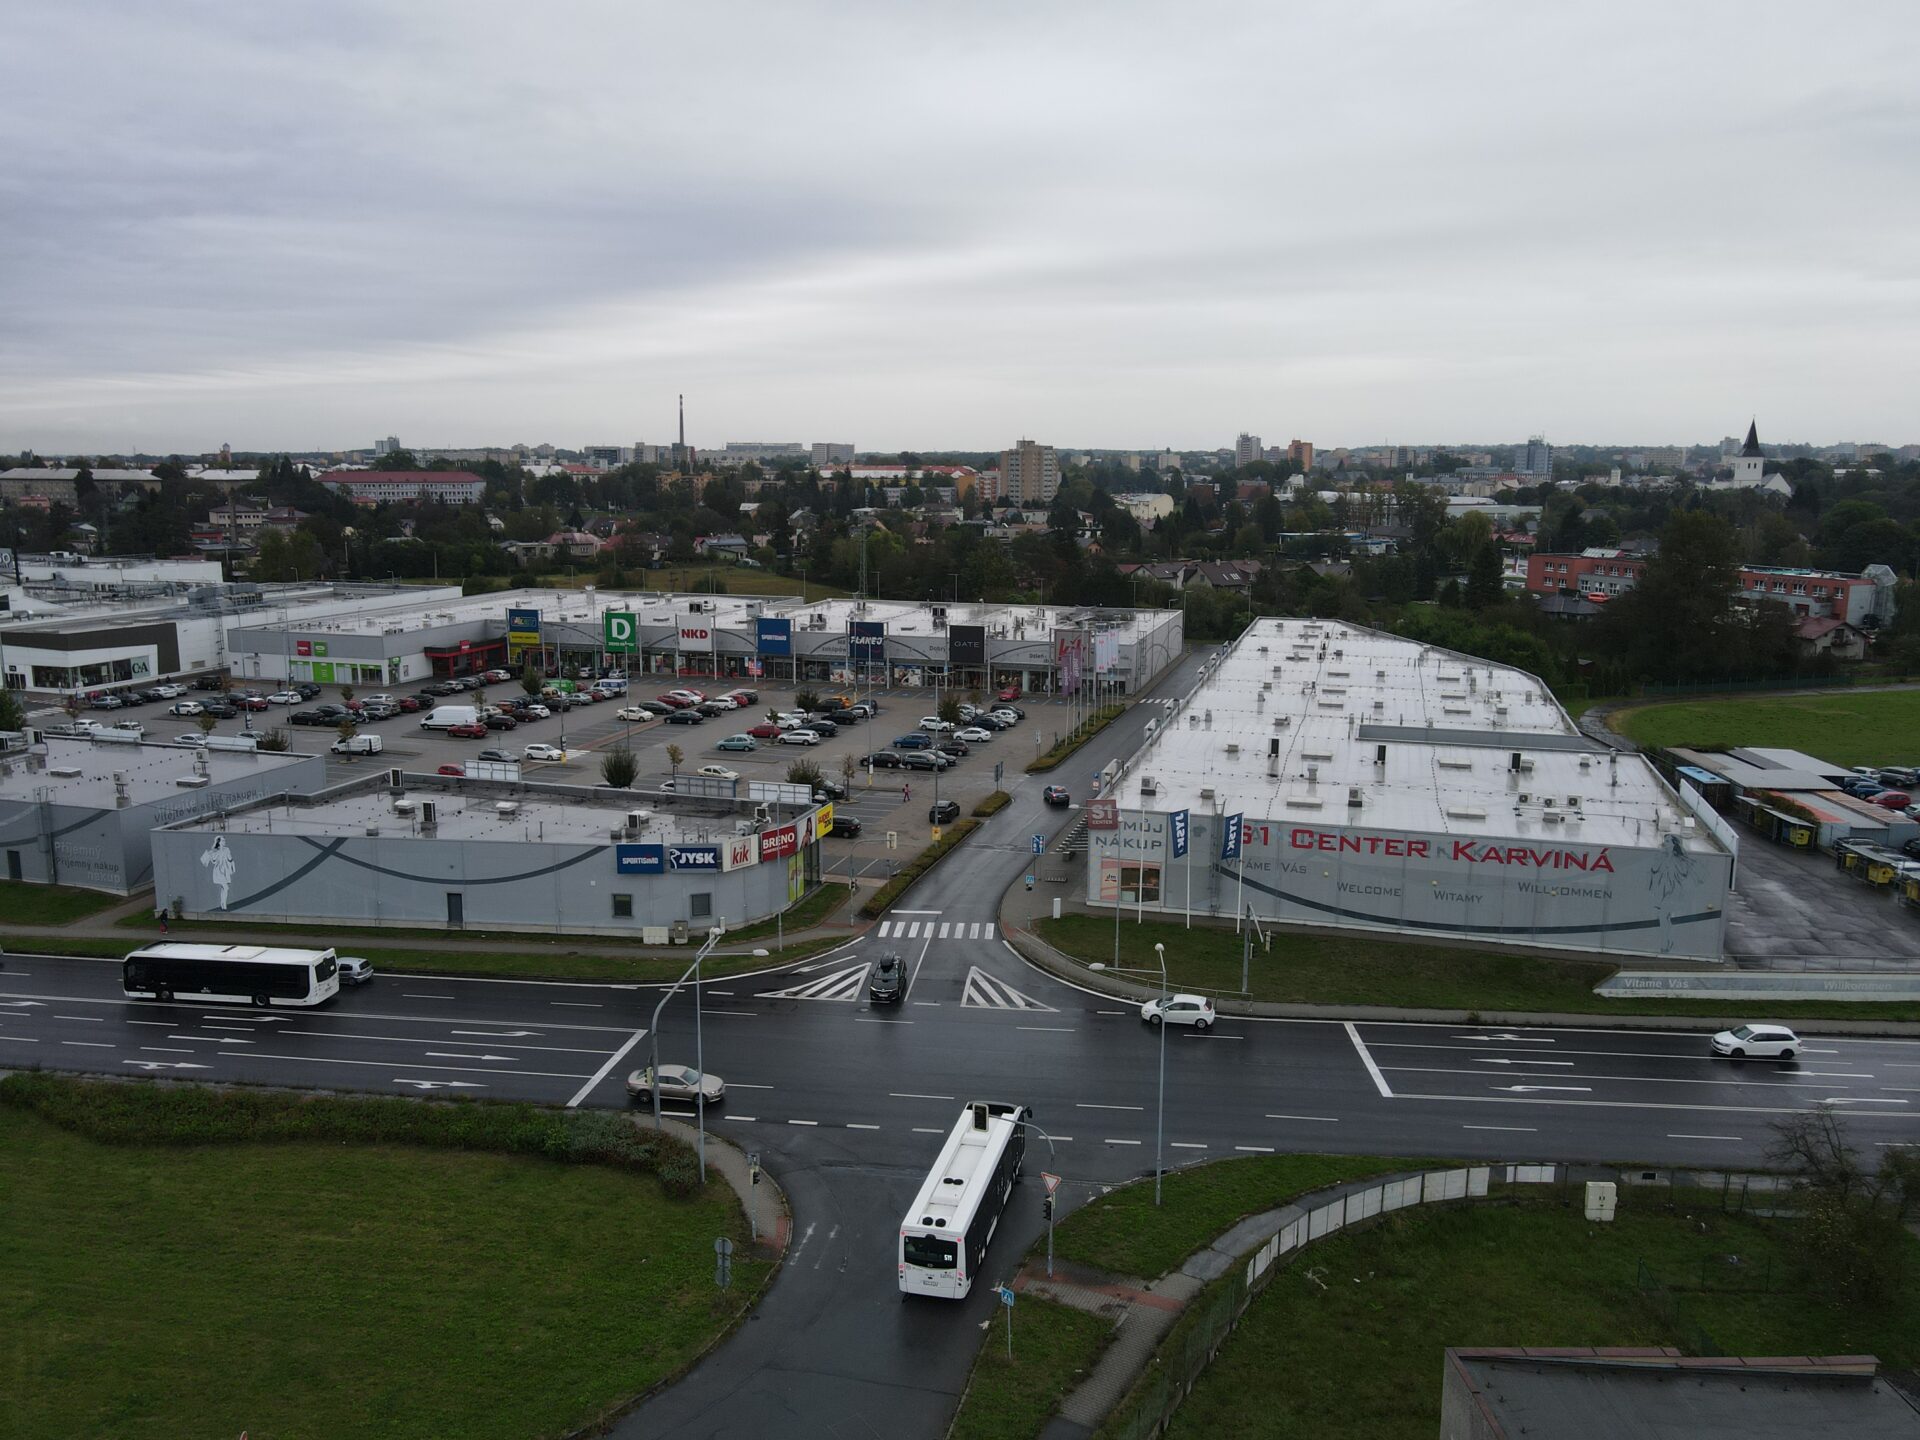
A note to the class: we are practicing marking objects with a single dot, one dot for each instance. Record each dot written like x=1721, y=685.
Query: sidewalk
x=775, y=1216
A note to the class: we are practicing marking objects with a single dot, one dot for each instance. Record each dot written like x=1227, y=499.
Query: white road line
x=886, y=929
x=29, y=1040
x=426, y=995
x=1623, y=1104
x=1084, y=1105
x=738, y=1014
x=1674, y=1136
x=945, y=926
x=1109, y=1012
x=914, y=978
x=91, y=1044
x=90, y=1019
x=1522, y=1129
x=1184, y=1145
x=1256, y=1149
x=852, y=1126
x=1063, y=1139
x=167, y=1023
x=455, y=1055
x=209, y=1025
x=872, y=1020
x=1049, y=1029
x=214, y=1039
x=803, y=1122
x=909, y=1095
x=934, y=1003
x=1751, y=1081
x=1195, y=1035
x=916, y=912
x=712, y=991
x=740, y=1117
x=574, y=1004
x=387, y=1064
x=606, y=1069
x=1379, y=1080
x=743, y=1085
x=167, y=1050
x=1323, y=1119
x=1111, y=1141
x=503, y=1043
x=934, y=1130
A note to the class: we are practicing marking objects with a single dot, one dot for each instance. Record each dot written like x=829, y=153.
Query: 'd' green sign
x=619, y=632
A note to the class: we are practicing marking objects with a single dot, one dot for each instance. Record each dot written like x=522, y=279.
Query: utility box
x=1602, y=1196
x=679, y=932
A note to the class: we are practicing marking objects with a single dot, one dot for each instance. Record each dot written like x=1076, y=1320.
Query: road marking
x=1198, y=1034
x=606, y=1069
x=916, y=912
x=934, y=1003
x=1522, y=1129
x=740, y=1117
x=1184, y=1145
x=1674, y=1136
x=914, y=978
x=108, y=1045
x=452, y=1055
x=712, y=991
x=166, y=1023
x=1824, y=1100
x=1083, y=1105
x=743, y=1085
x=427, y=995
x=803, y=1122
x=216, y=1039
x=740, y=1014
x=489, y=1034
x=1111, y=1141
x=910, y=1095
x=1379, y=1080
x=1049, y=1029
x=388, y=1064
x=437, y=1040
x=874, y=1020
x=843, y=984
x=945, y=927
x=932, y=1130
x=1323, y=1119
x=1504, y=1060
x=1109, y=1012
x=982, y=991
x=167, y=1050
x=1256, y=1149
x=1750, y=1079
x=209, y=1025
x=1506, y=1035
x=90, y=1019
x=852, y=1126
x=574, y=1004
x=1529, y=1089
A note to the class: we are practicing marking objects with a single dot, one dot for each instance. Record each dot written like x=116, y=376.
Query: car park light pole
x=1160, y=1118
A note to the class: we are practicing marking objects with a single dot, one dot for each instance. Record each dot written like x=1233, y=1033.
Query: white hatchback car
x=1194, y=1010
x=718, y=772
x=935, y=724
x=543, y=752
x=1760, y=1041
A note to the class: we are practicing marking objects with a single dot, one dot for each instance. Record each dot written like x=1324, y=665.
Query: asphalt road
x=848, y=1103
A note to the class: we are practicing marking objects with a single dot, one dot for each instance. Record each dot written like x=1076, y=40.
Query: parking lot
x=895, y=801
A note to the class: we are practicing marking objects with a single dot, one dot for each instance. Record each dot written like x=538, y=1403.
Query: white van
x=611, y=685
x=357, y=745
x=441, y=716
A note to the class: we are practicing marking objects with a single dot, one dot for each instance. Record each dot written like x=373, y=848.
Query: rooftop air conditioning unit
x=504, y=808
x=64, y=772
x=1354, y=799
x=1552, y=817
x=373, y=829
x=429, y=815
x=403, y=806
x=1233, y=749
x=1206, y=794
x=1573, y=802
x=192, y=782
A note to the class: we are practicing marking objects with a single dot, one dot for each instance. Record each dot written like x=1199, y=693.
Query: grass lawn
x=1880, y=727
x=342, y=1289
x=25, y=904
x=1374, y=970
x=1358, y=1356
x=1053, y=1348
x=1122, y=1231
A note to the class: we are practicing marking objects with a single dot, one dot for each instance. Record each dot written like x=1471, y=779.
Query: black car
x=208, y=682
x=989, y=722
x=499, y=756
x=1055, y=795
x=685, y=717
x=923, y=760
x=655, y=707
x=829, y=790
x=822, y=727
x=443, y=687
x=219, y=709
x=1912, y=847
x=956, y=748
x=884, y=760
x=311, y=717
x=745, y=696
x=941, y=811
x=500, y=722
x=715, y=707
x=889, y=978
x=305, y=689
x=845, y=827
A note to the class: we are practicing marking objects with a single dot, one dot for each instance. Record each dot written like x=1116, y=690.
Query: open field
x=332, y=1286
x=1847, y=727
x=1358, y=1356
x=1377, y=970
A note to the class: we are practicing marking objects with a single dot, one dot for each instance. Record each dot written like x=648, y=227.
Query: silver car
x=677, y=1082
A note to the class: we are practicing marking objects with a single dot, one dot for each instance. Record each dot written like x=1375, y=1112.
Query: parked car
x=207, y=682
x=676, y=1082
x=743, y=696
x=799, y=737
x=845, y=827
x=767, y=730
x=956, y=748
x=498, y=675
x=499, y=757
x=199, y=740
x=992, y=722
x=685, y=717
x=168, y=691
x=685, y=696
x=973, y=735
x=1056, y=795
x=1759, y=1041
x=253, y=700
x=717, y=772
x=1892, y=799
x=711, y=708
x=911, y=741
x=305, y=689
x=1194, y=1010
x=829, y=790
x=105, y=702
x=889, y=760
x=127, y=727
x=1912, y=847
x=371, y=711
x=285, y=697
x=409, y=703
x=311, y=717
x=632, y=713
x=453, y=771
x=887, y=982
x=935, y=724
x=943, y=811
x=923, y=760
x=1008, y=713
x=219, y=709
x=354, y=970
x=467, y=730
x=739, y=742
x=823, y=727
x=186, y=707
x=1008, y=694
x=543, y=752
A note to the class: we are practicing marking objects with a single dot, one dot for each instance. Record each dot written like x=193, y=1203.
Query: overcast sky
x=950, y=225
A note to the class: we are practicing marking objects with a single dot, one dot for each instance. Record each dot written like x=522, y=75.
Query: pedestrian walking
x=162, y=915
x=906, y=792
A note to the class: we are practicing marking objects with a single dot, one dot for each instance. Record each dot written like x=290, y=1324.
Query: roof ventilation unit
x=504, y=808
x=403, y=806
x=429, y=815
x=192, y=782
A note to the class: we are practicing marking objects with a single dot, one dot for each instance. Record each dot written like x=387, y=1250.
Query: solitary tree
x=347, y=728
x=206, y=722
x=275, y=740
x=805, y=772
x=676, y=757
x=1483, y=577
x=12, y=717
x=950, y=710
x=346, y=694
x=847, y=768
x=531, y=679
x=618, y=767
x=807, y=700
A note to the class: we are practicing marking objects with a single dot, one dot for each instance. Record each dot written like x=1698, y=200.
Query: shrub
x=877, y=903
x=993, y=804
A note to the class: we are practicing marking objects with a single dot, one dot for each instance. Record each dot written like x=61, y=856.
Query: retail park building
x=1326, y=775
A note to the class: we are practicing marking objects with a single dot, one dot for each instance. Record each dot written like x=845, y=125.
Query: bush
x=1098, y=722
x=993, y=804
x=618, y=767
x=877, y=903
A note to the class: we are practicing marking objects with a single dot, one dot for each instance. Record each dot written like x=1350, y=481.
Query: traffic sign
x=936, y=834
x=1053, y=1181
x=1006, y=1296
x=1039, y=844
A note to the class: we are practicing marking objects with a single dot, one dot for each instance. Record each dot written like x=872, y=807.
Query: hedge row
x=128, y=1113
x=1099, y=721
x=878, y=903
x=993, y=804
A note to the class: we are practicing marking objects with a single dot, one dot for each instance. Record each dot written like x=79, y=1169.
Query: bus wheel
x=165, y=997
x=261, y=1001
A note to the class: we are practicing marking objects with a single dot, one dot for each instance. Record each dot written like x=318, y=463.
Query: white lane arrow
x=164, y=1064
x=1529, y=1089
x=1498, y=1060
x=440, y=1084
x=1515, y=1039
x=450, y=1055
x=21, y=1004
x=497, y=1034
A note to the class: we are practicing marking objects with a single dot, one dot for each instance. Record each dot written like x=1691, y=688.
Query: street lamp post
x=699, y=1049
x=1160, y=1117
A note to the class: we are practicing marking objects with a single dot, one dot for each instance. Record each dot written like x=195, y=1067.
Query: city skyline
x=929, y=231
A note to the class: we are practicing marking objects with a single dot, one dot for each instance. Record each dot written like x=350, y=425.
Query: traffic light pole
x=1047, y=1204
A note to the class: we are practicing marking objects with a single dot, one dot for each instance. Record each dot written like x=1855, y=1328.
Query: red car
x=408, y=703
x=1009, y=694
x=765, y=730
x=252, y=702
x=1892, y=799
x=678, y=702
x=455, y=770
x=468, y=732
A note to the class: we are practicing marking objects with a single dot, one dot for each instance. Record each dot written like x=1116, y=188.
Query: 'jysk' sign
x=694, y=857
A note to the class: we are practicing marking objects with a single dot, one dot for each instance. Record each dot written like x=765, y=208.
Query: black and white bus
x=943, y=1239
x=231, y=974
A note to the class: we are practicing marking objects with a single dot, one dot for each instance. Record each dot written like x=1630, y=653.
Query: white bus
x=231, y=974
x=943, y=1240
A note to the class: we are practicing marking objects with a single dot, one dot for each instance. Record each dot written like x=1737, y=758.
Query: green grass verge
x=451, y=959
x=22, y=903
x=1123, y=1231
x=878, y=903
x=993, y=804
x=203, y=1263
x=805, y=913
x=1053, y=1348
x=1095, y=723
x=1358, y=1356
x=1375, y=970
x=1841, y=726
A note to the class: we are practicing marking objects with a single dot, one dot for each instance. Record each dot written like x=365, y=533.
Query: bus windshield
x=929, y=1252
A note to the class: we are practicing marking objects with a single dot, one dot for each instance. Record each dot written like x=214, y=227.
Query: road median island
x=1089, y=728
x=992, y=804
x=1378, y=973
x=200, y=1260
x=878, y=903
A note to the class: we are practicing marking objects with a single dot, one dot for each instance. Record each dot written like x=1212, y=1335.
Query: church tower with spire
x=1749, y=463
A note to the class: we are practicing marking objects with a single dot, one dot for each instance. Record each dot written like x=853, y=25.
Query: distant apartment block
x=1246, y=450
x=1030, y=473
x=1535, y=459
x=1300, y=455
x=386, y=446
x=832, y=453
x=1600, y=574
x=607, y=457
x=739, y=452
x=400, y=487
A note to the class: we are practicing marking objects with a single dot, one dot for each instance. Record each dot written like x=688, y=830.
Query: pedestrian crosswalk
x=939, y=930
x=845, y=983
x=983, y=992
